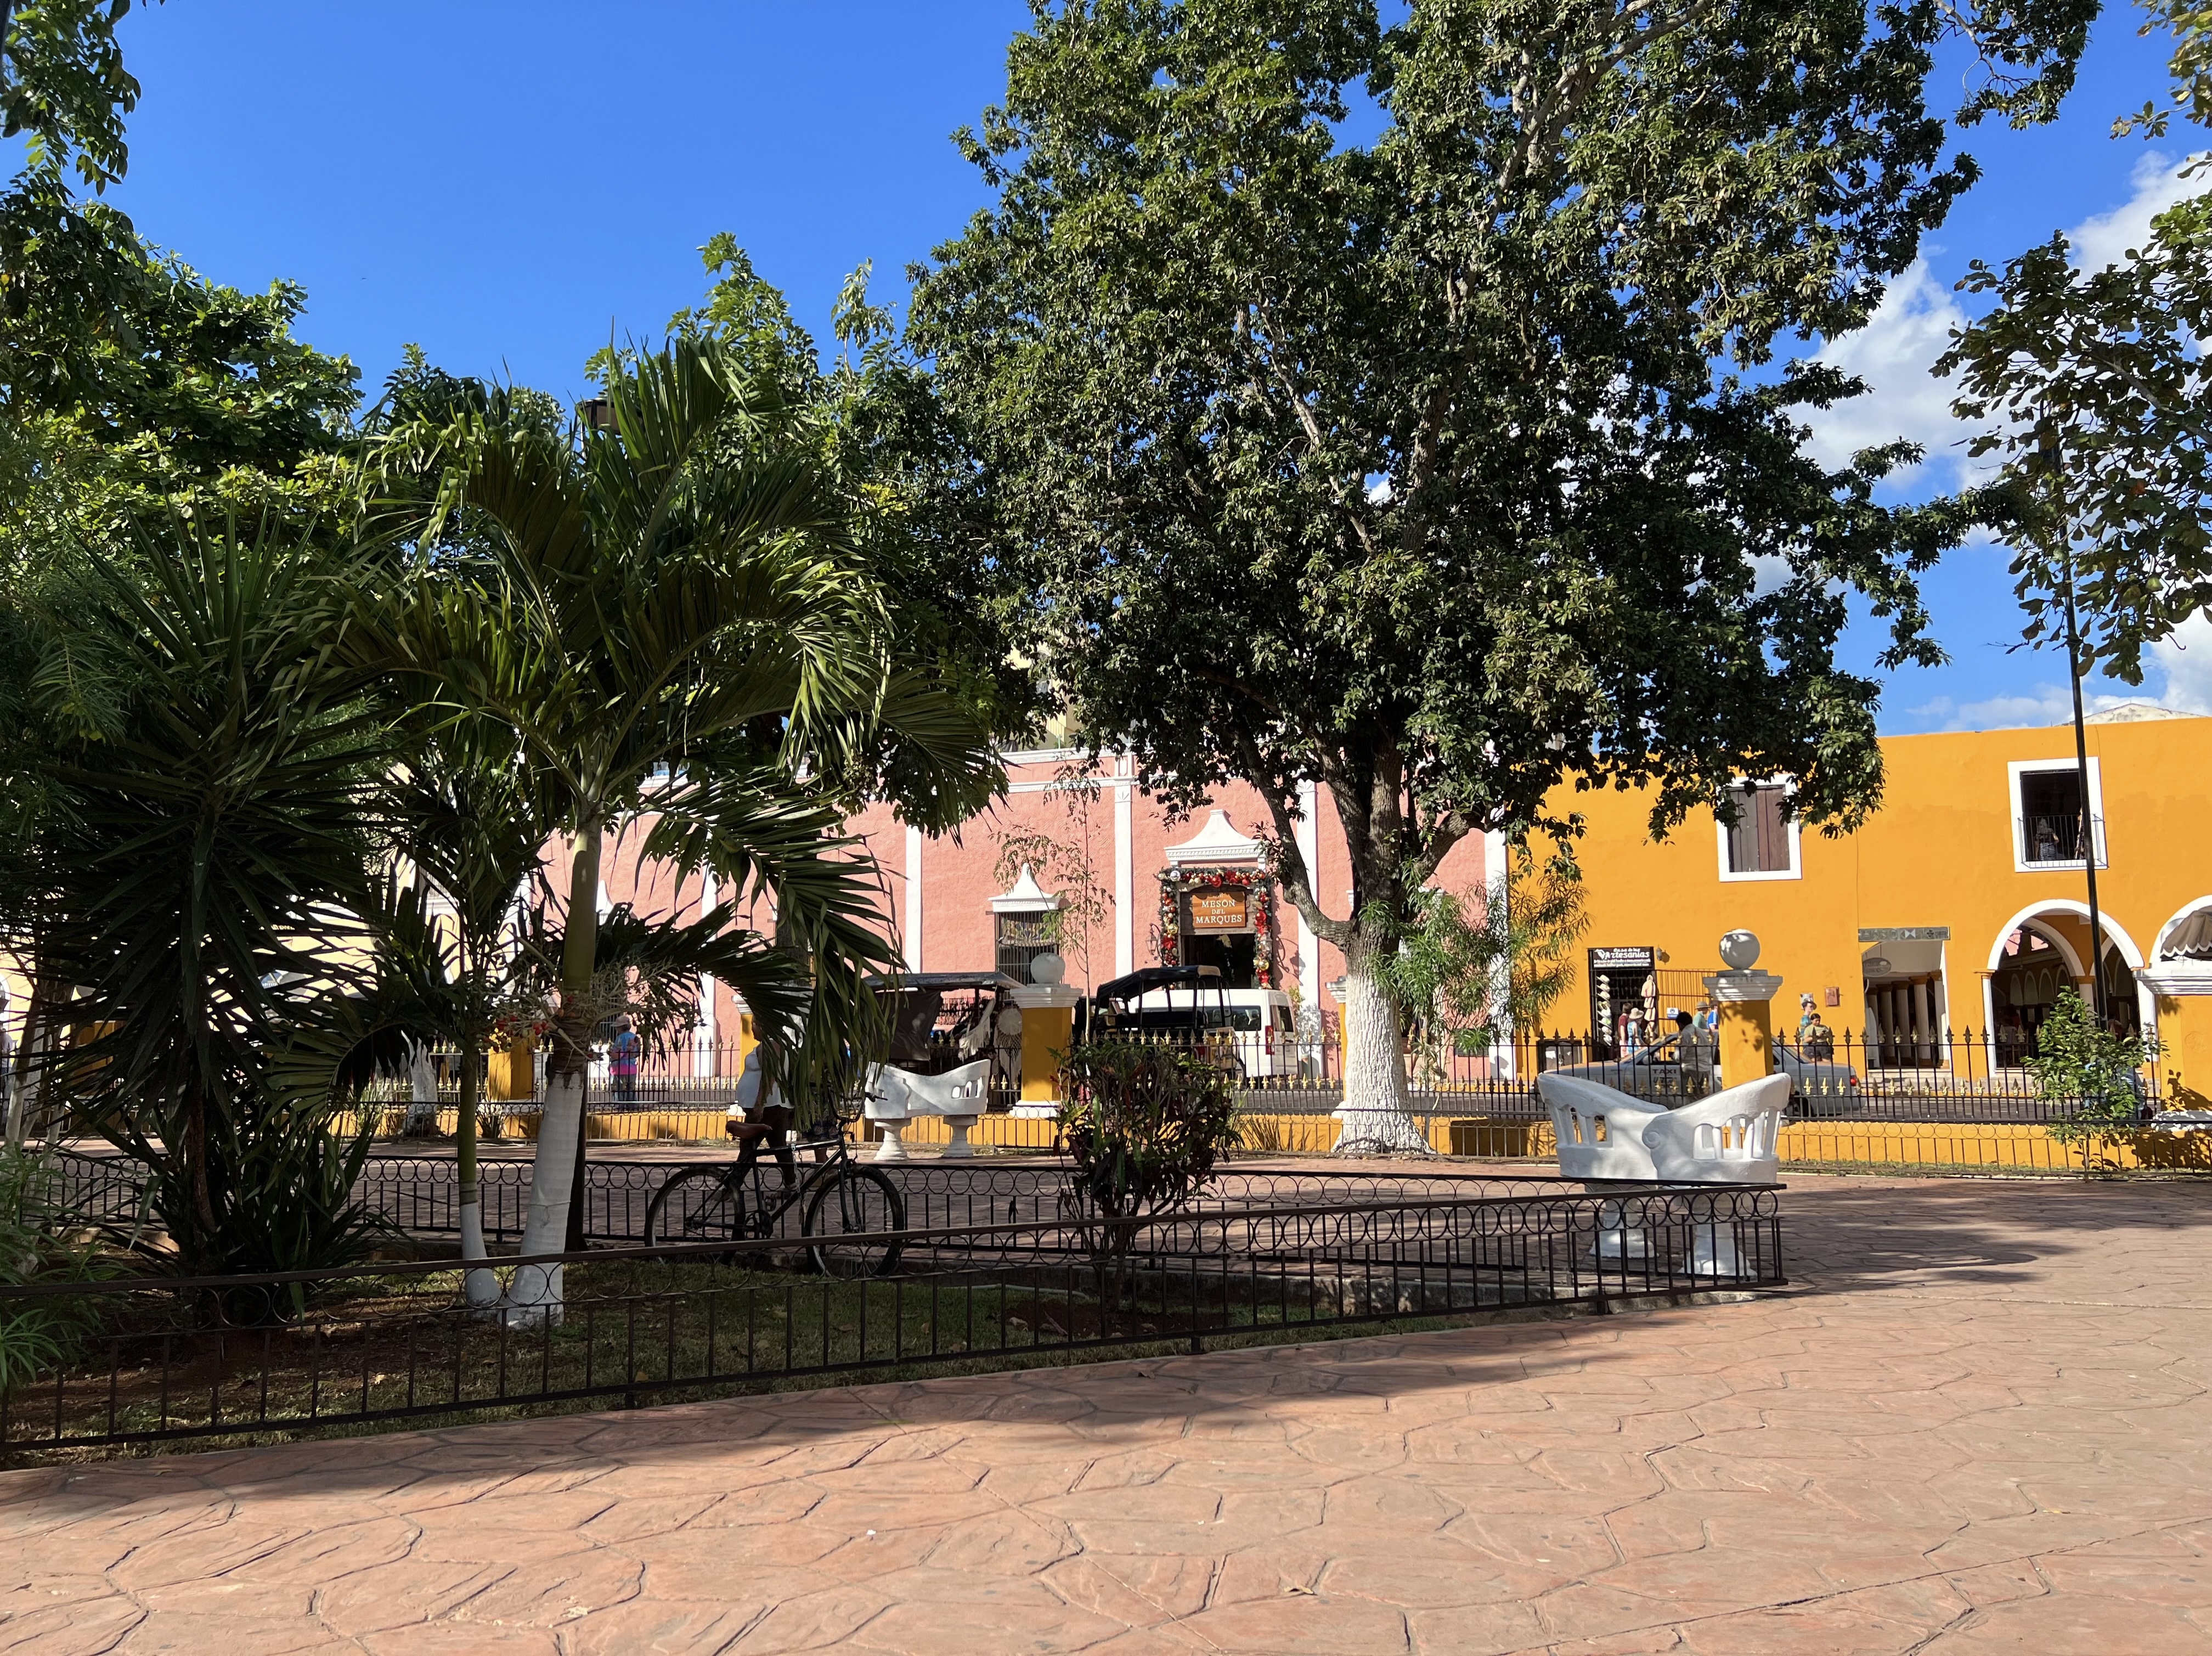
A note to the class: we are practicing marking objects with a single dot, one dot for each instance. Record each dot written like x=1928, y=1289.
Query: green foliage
x=1417, y=467
x=63, y=83
x=872, y=420
x=1471, y=975
x=198, y=871
x=671, y=621
x=2095, y=1069
x=130, y=386
x=1143, y=1125
x=41, y=1241
x=2188, y=24
x=2096, y=392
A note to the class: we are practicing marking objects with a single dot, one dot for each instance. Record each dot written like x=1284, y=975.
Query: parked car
x=1817, y=1086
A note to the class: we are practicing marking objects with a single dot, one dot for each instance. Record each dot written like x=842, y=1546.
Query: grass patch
x=406, y=1352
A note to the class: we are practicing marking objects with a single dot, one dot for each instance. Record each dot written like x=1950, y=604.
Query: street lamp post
x=2089, y=815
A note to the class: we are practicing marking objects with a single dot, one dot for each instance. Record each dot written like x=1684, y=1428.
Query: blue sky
x=509, y=185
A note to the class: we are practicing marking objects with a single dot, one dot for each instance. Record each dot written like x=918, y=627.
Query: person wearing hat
x=623, y=1053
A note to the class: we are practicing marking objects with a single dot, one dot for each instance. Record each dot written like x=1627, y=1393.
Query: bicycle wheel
x=700, y=1204
x=851, y=1201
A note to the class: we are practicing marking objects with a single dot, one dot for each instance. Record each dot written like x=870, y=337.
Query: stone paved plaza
x=1979, y=1422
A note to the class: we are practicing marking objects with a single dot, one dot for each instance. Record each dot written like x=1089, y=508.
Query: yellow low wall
x=684, y=1125
x=1992, y=1146
x=1989, y=1146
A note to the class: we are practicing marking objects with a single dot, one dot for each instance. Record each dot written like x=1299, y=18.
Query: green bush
x=41, y=1241
x=2097, y=1070
x=1143, y=1125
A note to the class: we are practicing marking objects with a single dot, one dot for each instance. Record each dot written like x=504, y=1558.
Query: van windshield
x=1169, y=1018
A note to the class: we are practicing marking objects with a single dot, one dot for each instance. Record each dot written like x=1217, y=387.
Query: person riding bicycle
x=766, y=1120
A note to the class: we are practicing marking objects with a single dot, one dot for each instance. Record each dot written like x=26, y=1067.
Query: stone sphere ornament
x=1047, y=969
x=1740, y=950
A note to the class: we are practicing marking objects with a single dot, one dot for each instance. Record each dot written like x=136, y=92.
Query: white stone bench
x=896, y=1096
x=1729, y=1138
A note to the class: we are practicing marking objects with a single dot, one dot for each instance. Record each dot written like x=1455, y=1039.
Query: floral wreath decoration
x=1259, y=887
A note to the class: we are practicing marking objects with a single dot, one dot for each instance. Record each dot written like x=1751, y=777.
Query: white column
x=1125, y=875
x=1308, y=841
x=913, y=899
x=703, y=1034
x=1923, y=1014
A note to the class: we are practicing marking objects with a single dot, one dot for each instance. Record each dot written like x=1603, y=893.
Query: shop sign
x=1904, y=933
x=1225, y=909
x=1621, y=956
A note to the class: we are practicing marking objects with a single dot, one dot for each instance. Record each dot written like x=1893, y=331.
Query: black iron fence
x=1905, y=1067
x=419, y=1196
x=152, y=1359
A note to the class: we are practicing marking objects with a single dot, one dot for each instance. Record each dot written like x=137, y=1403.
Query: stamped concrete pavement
x=1978, y=1423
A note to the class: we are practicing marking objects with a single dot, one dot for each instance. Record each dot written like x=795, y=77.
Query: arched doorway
x=2041, y=951
x=2034, y=964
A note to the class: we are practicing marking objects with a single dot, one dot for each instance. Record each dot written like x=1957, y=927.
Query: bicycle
x=840, y=1197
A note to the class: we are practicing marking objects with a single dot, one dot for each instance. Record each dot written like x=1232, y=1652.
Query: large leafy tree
x=670, y=616
x=1447, y=467
x=2098, y=399
x=133, y=395
x=128, y=383
x=64, y=88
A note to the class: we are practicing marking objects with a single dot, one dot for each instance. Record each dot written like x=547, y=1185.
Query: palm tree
x=673, y=618
x=464, y=819
x=201, y=865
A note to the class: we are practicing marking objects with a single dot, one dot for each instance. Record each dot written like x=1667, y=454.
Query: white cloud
x=2183, y=665
x=2107, y=238
x=1896, y=351
x=2045, y=705
x=1893, y=353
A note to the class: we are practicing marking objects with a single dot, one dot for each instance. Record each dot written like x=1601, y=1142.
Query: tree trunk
x=482, y=1288
x=536, y=1290
x=27, y=1093
x=1377, y=1113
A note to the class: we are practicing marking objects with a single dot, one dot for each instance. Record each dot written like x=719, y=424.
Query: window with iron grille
x=1022, y=938
x=2051, y=818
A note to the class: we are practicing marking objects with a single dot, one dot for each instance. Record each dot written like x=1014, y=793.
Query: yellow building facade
x=1959, y=907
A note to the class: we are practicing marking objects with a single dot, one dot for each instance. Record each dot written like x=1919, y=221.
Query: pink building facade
x=1125, y=886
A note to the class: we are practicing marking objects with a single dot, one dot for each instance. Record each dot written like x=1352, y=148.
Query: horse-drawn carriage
x=955, y=1053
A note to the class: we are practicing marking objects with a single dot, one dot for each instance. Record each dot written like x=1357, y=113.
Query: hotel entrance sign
x=1220, y=911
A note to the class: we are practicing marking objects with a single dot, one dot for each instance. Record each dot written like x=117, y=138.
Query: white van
x=1262, y=1023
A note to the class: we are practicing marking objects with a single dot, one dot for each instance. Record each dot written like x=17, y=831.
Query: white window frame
x=2019, y=768
x=1796, y=868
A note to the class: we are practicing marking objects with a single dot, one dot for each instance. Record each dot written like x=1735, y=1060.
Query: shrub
x=41, y=1240
x=2097, y=1069
x=1145, y=1126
